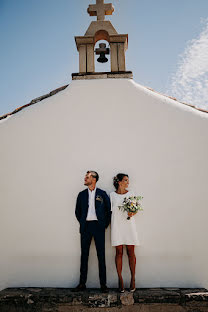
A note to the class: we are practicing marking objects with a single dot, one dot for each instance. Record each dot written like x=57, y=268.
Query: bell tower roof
x=101, y=30
x=100, y=25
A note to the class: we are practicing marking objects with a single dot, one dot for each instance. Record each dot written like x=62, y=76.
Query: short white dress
x=123, y=231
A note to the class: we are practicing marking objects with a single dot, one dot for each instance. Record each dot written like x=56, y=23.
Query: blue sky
x=38, y=52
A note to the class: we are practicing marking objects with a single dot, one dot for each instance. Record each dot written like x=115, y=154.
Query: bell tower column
x=90, y=58
x=82, y=59
x=85, y=46
x=121, y=57
x=86, y=58
x=114, y=57
x=118, y=45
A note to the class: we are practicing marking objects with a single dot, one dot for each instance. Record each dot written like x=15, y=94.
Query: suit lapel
x=96, y=194
x=86, y=200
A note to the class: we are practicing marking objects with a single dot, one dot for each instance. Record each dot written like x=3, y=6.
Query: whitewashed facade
x=111, y=126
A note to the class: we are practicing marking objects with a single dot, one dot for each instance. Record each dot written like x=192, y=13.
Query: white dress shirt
x=91, y=215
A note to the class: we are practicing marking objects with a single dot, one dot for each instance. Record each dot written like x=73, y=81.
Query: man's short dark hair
x=94, y=174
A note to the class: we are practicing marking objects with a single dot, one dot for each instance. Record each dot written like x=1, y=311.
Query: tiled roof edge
x=34, y=101
x=173, y=98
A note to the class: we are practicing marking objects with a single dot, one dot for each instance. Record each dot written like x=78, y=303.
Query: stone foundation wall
x=143, y=300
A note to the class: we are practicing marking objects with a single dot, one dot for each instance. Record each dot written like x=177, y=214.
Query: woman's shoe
x=132, y=286
x=121, y=290
x=121, y=286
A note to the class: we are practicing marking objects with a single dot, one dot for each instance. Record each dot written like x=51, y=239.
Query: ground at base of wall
x=142, y=300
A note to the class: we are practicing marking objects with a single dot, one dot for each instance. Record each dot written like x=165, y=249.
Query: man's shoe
x=80, y=287
x=104, y=288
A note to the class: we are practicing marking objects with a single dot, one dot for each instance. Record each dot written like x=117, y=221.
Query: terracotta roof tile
x=34, y=101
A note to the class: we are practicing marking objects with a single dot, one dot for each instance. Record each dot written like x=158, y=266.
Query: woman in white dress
x=123, y=231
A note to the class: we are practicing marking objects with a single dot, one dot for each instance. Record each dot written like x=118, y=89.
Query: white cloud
x=190, y=82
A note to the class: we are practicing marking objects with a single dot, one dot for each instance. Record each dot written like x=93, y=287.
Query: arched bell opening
x=102, y=56
x=101, y=35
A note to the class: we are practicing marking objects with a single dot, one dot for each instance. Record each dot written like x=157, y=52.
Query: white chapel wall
x=110, y=126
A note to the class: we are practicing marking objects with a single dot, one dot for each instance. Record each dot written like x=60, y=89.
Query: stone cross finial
x=100, y=9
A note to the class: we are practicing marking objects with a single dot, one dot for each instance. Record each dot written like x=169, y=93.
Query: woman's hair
x=119, y=177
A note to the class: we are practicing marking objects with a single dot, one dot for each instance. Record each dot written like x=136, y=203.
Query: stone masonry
x=143, y=300
x=101, y=30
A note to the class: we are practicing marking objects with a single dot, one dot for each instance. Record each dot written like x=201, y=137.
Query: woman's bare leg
x=132, y=264
x=118, y=260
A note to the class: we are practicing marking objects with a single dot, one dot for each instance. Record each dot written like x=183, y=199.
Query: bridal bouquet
x=131, y=204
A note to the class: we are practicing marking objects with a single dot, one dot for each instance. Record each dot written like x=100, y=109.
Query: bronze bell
x=102, y=51
x=102, y=58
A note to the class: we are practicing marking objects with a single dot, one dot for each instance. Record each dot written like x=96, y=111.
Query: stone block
x=80, y=40
x=120, y=75
x=103, y=75
x=158, y=295
x=127, y=299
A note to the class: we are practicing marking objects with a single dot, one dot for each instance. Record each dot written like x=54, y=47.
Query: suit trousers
x=93, y=229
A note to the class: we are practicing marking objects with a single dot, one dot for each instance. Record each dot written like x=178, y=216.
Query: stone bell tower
x=101, y=30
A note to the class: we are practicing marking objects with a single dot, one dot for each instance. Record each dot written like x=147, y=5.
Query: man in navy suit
x=93, y=211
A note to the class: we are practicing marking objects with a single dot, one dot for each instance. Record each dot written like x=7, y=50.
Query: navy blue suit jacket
x=102, y=208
